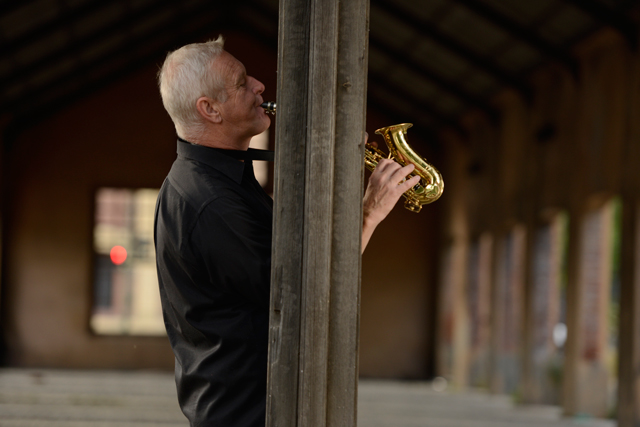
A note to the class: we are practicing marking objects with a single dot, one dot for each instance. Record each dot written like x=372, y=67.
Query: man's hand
x=383, y=191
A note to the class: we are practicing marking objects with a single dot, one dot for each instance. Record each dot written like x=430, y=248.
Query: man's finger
x=401, y=173
x=387, y=166
x=409, y=183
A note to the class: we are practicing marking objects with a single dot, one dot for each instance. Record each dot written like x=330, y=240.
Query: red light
x=118, y=255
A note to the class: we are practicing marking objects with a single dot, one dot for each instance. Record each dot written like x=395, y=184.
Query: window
x=126, y=297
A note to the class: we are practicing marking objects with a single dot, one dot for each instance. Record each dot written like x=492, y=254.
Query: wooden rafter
x=42, y=32
x=611, y=17
x=463, y=95
x=417, y=104
x=135, y=55
x=94, y=38
x=517, y=31
x=453, y=45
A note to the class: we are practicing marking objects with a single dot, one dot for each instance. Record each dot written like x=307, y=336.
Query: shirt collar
x=213, y=157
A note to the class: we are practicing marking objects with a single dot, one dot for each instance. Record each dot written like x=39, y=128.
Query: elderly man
x=213, y=236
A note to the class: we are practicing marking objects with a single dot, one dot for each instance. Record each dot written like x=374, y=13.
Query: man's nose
x=259, y=87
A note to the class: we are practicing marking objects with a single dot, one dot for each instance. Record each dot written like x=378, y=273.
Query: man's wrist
x=369, y=220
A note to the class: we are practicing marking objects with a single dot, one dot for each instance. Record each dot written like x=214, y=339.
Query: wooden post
x=629, y=342
x=479, y=300
x=313, y=349
x=588, y=296
x=542, y=360
x=629, y=332
x=4, y=120
x=507, y=306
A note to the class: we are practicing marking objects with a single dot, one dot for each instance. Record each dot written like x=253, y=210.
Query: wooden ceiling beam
x=71, y=50
x=416, y=104
x=614, y=18
x=381, y=44
x=29, y=112
x=44, y=31
x=454, y=46
x=422, y=128
x=10, y=6
x=379, y=79
x=516, y=30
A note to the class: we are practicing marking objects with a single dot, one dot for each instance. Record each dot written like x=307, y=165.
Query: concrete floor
x=52, y=398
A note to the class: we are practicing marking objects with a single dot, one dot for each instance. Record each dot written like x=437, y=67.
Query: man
x=213, y=236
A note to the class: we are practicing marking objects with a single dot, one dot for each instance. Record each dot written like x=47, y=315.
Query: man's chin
x=267, y=123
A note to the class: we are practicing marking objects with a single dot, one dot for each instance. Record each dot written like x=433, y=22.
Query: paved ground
x=50, y=398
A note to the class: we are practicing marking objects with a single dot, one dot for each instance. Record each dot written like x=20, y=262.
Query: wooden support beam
x=3, y=207
x=629, y=332
x=104, y=70
x=383, y=45
x=611, y=17
x=8, y=7
x=585, y=381
x=507, y=306
x=7, y=190
x=97, y=37
x=516, y=30
x=454, y=46
x=541, y=358
x=423, y=126
x=419, y=105
x=66, y=19
x=313, y=349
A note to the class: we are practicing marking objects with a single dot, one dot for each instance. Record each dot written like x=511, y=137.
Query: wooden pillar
x=313, y=349
x=629, y=332
x=479, y=301
x=507, y=307
x=588, y=295
x=629, y=339
x=542, y=359
x=570, y=374
x=4, y=205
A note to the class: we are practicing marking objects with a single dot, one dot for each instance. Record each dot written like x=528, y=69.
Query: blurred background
x=520, y=280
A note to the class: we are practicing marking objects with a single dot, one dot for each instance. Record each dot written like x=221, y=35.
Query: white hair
x=185, y=76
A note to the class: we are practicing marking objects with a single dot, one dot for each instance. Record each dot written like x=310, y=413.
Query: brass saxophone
x=427, y=190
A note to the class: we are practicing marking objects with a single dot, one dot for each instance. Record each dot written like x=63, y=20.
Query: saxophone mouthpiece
x=270, y=107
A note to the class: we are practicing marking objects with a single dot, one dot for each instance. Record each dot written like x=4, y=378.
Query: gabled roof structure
x=430, y=61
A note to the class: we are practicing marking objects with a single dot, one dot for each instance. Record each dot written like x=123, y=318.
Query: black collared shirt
x=213, y=252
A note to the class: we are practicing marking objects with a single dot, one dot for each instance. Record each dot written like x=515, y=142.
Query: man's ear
x=209, y=109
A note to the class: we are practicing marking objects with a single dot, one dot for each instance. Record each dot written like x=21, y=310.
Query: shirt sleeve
x=234, y=242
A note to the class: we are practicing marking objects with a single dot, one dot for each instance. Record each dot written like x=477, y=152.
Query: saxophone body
x=429, y=188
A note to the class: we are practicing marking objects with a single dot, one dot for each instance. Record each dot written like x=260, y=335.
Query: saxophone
x=427, y=190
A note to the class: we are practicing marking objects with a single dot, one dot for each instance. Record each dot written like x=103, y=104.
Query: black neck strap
x=250, y=154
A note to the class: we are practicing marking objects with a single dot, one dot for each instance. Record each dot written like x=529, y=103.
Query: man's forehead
x=230, y=67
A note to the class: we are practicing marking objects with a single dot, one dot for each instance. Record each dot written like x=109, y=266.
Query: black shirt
x=213, y=253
